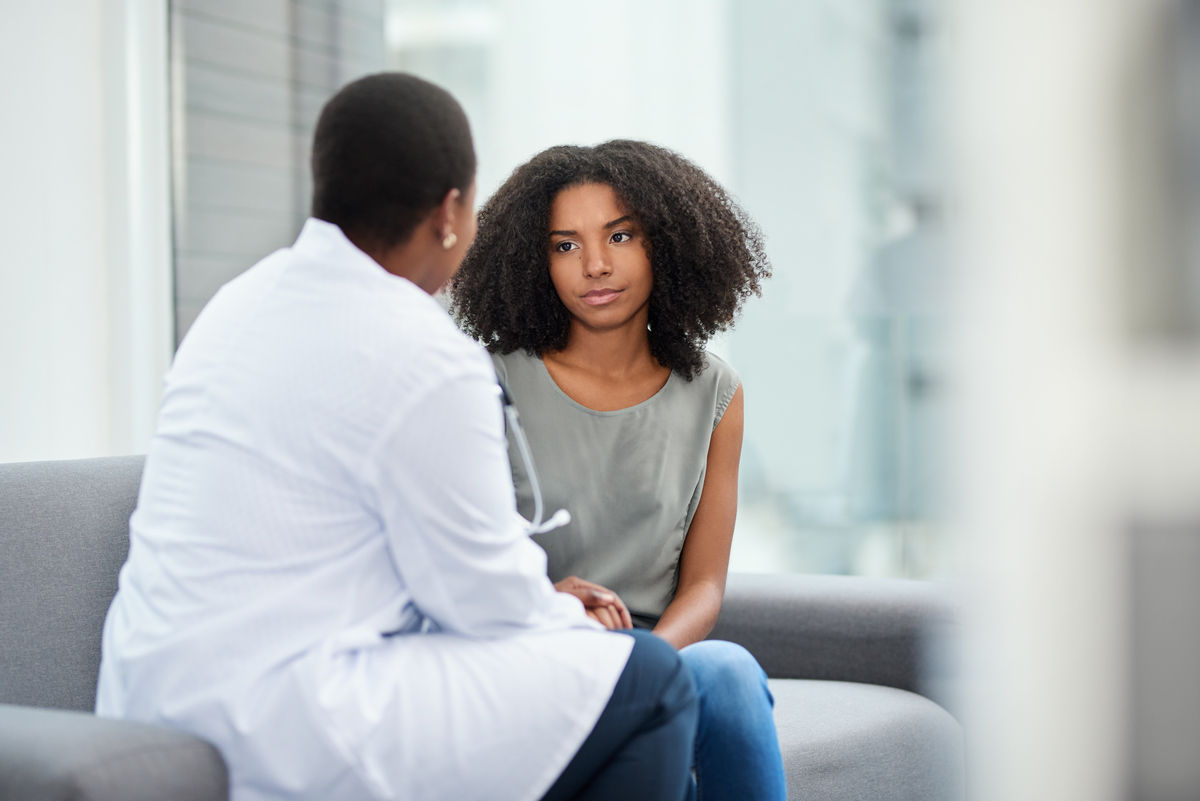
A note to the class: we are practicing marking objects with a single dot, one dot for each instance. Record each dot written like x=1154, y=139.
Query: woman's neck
x=606, y=370
x=615, y=354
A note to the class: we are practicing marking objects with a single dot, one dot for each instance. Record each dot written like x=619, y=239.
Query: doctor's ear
x=446, y=216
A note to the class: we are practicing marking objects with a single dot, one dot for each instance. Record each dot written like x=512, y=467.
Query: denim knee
x=725, y=671
x=737, y=746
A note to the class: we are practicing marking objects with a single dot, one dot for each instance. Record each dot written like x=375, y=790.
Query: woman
x=326, y=578
x=597, y=277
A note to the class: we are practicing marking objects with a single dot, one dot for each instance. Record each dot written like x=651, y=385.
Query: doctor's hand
x=601, y=604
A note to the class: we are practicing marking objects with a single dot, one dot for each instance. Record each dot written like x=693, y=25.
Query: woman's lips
x=598, y=297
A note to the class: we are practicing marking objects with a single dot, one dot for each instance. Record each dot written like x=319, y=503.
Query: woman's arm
x=704, y=562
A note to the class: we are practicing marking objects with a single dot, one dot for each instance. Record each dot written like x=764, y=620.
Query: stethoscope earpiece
x=557, y=520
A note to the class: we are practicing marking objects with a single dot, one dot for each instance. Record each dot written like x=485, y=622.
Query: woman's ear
x=445, y=219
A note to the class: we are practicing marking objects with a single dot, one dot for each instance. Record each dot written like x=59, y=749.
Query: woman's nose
x=595, y=265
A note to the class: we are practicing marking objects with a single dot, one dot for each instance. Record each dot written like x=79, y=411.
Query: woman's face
x=599, y=258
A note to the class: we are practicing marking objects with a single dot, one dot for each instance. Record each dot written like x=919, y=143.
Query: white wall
x=84, y=218
x=536, y=73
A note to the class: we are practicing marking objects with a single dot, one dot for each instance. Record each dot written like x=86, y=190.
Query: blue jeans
x=737, y=749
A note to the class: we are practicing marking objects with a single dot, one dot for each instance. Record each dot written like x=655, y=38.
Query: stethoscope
x=535, y=526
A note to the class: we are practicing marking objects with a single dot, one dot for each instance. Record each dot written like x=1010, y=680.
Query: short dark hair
x=706, y=253
x=386, y=150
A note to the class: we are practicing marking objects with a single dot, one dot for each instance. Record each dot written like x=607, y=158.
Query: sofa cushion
x=842, y=628
x=64, y=530
x=51, y=755
x=843, y=741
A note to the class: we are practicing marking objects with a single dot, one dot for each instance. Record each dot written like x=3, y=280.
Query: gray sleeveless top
x=630, y=478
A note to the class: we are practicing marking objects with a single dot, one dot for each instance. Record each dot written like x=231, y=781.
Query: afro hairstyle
x=705, y=252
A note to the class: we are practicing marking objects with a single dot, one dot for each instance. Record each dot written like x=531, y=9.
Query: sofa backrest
x=64, y=534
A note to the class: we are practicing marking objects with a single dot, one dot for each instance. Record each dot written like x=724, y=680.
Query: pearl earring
x=450, y=240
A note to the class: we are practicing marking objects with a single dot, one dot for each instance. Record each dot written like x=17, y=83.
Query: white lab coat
x=327, y=577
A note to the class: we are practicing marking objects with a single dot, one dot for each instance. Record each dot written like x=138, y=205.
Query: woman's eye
x=563, y=247
x=622, y=236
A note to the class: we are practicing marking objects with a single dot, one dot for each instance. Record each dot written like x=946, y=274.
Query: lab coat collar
x=324, y=241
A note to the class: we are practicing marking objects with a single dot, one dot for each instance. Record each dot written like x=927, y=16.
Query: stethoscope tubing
x=535, y=526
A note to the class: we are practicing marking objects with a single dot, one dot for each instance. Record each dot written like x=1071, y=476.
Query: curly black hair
x=706, y=253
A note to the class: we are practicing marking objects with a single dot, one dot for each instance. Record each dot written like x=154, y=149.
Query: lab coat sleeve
x=444, y=489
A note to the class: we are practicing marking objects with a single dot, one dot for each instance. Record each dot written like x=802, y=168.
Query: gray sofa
x=857, y=706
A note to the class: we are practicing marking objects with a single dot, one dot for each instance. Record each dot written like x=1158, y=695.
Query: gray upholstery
x=65, y=535
x=849, y=741
x=846, y=656
x=50, y=755
x=847, y=628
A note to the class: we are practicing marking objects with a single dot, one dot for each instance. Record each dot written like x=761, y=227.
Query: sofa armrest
x=845, y=628
x=53, y=755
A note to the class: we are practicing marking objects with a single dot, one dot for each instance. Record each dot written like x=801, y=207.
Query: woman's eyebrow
x=607, y=225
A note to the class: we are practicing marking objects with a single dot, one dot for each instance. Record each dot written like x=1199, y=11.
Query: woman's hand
x=601, y=604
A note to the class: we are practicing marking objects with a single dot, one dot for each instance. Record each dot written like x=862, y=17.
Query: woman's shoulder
x=516, y=357
x=717, y=373
x=719, y=380
x=717, y=369
x=516, y=367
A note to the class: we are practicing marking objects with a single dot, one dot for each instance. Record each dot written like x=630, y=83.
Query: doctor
x=327, y=575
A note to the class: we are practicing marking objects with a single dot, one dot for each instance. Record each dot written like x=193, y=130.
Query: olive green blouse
x=630, y=478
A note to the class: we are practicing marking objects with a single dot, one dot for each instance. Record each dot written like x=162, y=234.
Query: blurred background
x=978, y=360
x=820, y=118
